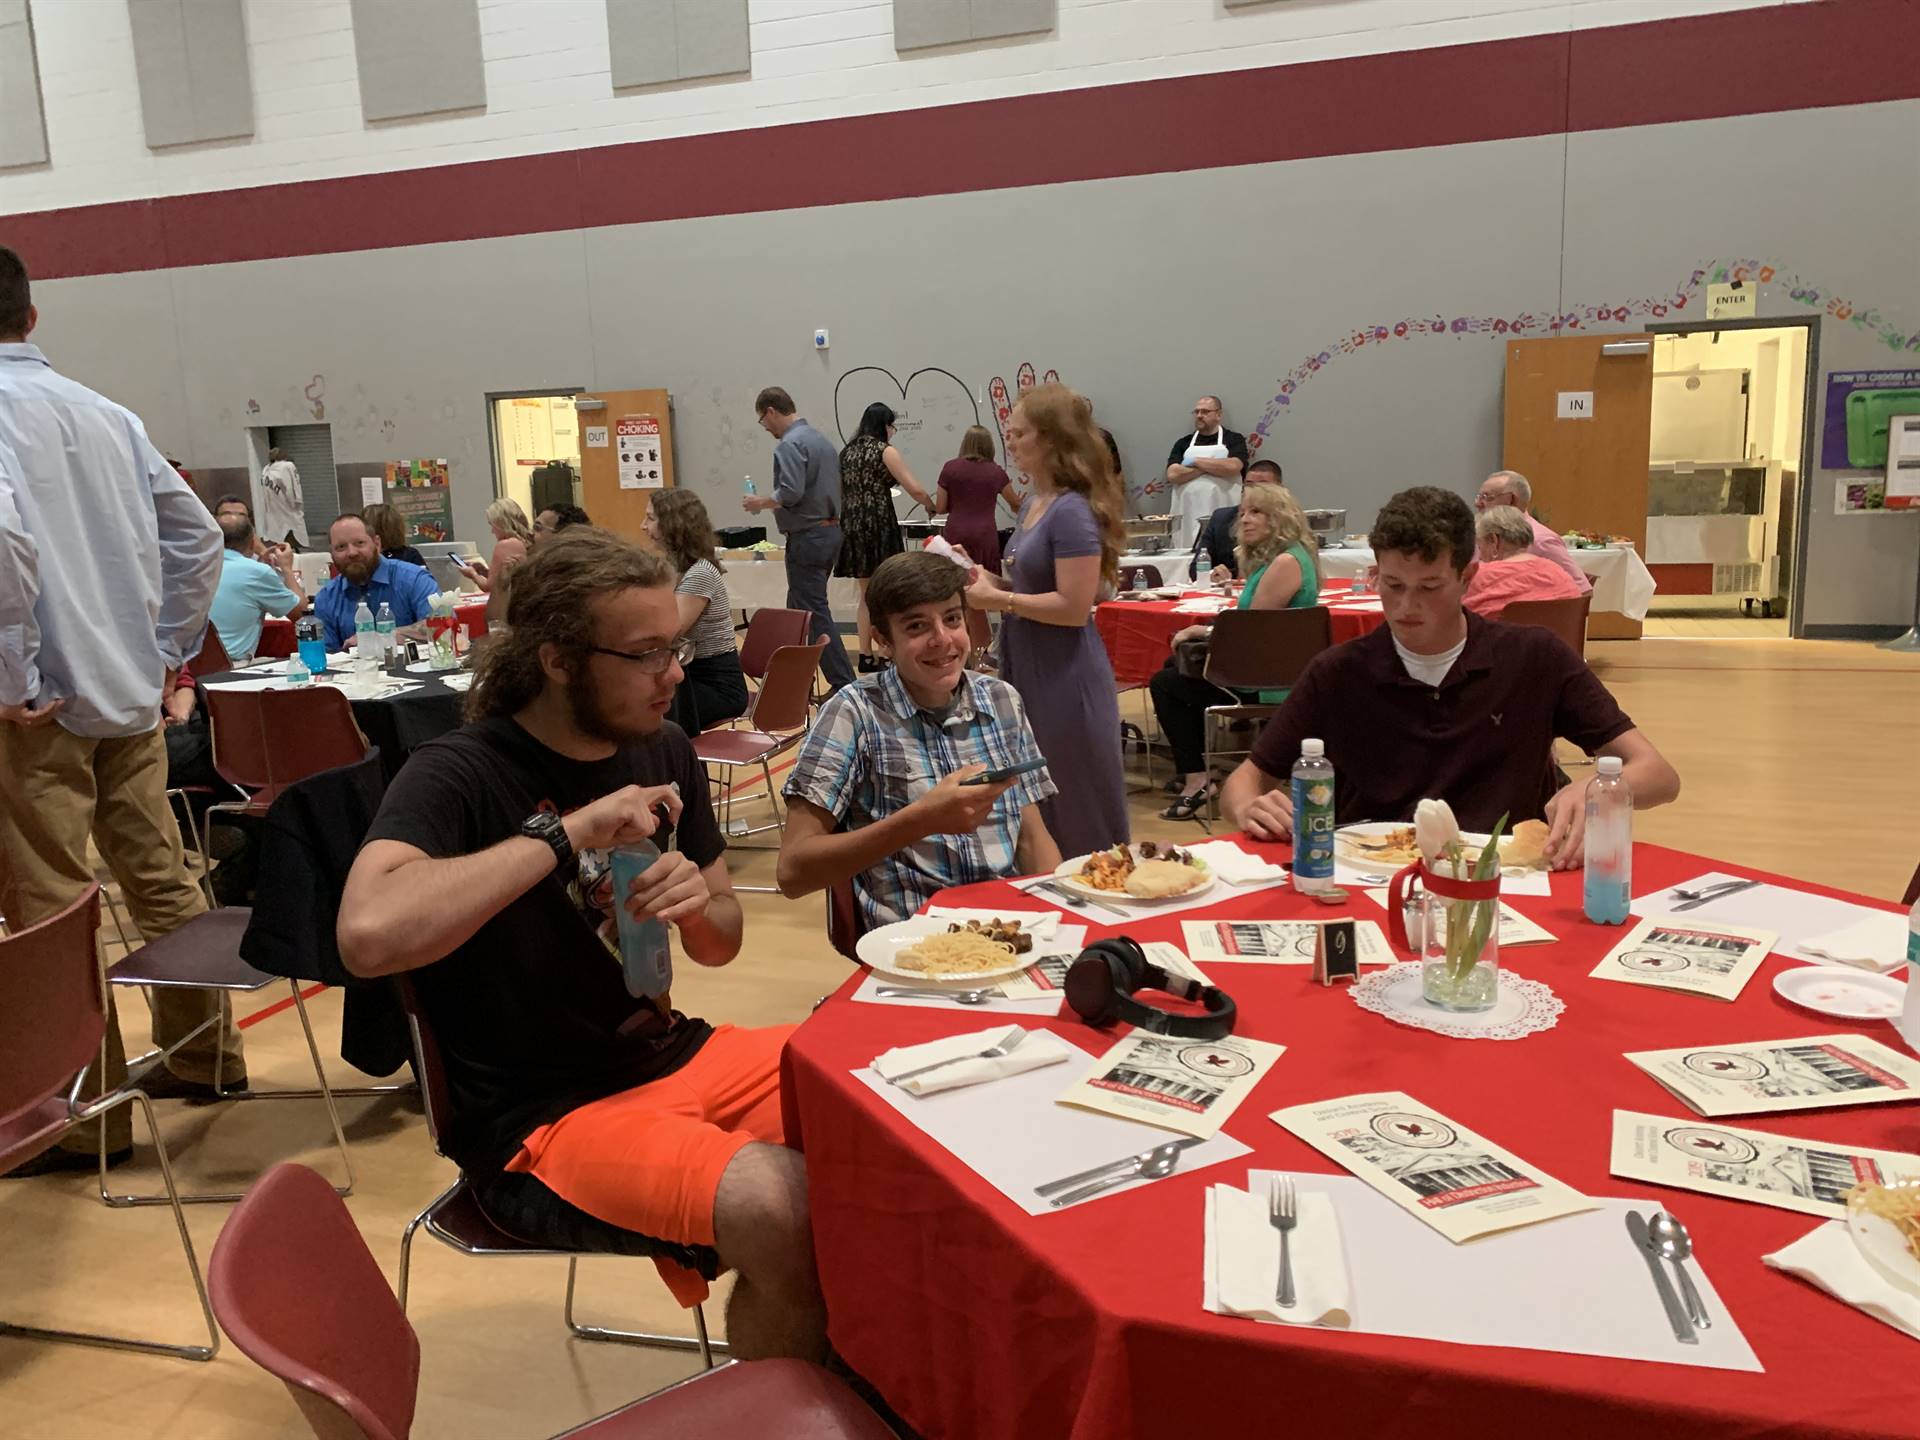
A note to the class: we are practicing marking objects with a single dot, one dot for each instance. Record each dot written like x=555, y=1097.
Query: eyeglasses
x=543, y=527
x=652, y=662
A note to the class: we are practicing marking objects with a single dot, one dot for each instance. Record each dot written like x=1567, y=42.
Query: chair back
x=436, y=1094
x=309, y=730
x=770, y=630
x=294, y=1285
x=52, y=1013
x=843, y=919
x=1140, y=577
x=1913, y=888
x=270, y=738
x=1566, y=618
x=211, y=658
x=781, y=703
x=1266, y=649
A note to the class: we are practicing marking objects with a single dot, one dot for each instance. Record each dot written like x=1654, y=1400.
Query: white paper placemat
x=1575, y=1285
x=1794, y=915
x=1014, y=1136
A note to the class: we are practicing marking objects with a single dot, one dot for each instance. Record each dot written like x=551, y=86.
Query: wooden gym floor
x=1793, y=756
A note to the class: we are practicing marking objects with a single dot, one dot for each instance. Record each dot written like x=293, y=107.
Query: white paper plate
x=1882, y=1246
x=1069, y=876
x=1848, y=994
x=880, y=950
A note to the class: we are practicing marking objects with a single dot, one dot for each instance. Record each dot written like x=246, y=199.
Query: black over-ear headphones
x=1101, y=984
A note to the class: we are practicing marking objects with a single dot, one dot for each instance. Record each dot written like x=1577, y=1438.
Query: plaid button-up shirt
x=873, y=752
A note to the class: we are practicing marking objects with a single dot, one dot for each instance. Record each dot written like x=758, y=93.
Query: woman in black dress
x=869, y=469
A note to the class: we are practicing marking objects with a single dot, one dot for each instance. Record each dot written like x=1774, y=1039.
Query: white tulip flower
x=1434, y=829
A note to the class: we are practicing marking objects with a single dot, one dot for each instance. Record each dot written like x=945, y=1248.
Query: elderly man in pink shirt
x=1510, y=487
x=1508, y=568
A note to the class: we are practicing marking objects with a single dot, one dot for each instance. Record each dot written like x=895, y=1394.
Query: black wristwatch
x=551, y=829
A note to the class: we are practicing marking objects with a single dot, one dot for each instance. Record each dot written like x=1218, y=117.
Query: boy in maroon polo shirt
x=1443, y=704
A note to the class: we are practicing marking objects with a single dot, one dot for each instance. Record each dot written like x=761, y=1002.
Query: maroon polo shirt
x=1482, y=740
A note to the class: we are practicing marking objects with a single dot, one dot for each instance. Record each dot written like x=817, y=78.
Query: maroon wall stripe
x=1780, y=58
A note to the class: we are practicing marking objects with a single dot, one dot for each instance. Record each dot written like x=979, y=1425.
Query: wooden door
x=608, y=503
x=1578, y=425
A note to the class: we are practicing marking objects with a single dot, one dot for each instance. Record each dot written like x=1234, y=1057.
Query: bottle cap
x=1609, y=765
x=1313, y=748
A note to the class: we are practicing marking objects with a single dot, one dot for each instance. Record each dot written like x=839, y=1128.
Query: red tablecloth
x=1139, y=634
x=976, y=1319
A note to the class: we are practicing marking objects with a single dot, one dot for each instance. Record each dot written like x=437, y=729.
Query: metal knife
x=1683, y=1330
x=1719, y=894
x=1054, y=887
x=1054, y=1187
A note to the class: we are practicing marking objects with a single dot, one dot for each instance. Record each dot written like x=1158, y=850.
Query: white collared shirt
x=108, y=560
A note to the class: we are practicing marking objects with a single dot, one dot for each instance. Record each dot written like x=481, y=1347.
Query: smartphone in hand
x=994, y=777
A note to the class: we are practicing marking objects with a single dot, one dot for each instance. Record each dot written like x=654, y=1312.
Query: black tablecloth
x=399, y=724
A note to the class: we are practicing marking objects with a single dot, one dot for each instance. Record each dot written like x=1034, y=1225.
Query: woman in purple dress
x=1066, y=548
x=969, y=489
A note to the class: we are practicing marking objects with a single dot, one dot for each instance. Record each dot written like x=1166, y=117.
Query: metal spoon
x=1158, y=1167
x=963, y=997
x=1672, y=1243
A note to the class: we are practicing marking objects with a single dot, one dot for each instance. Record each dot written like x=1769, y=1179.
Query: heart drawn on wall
x=932, y=411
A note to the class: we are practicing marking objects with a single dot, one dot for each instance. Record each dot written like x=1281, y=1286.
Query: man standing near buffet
x=1204, y=469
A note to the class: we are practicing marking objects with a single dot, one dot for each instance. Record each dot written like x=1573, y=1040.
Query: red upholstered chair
x=1913, y=888
x=211, y=658
x=297, y=1289
x=53, y=1017
x=769, y=630
x=775, y=724
x=843, y=919
x=455, y=1218
x=265, y=740
x=1566, y=618
x=1140, y=577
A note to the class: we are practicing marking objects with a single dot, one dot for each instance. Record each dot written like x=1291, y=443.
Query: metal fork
x=992, y=1052
x=1282, y=1211
x=1054, y=887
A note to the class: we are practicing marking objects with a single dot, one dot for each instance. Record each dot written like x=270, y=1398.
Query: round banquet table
x=277, y=638
x=975, y=1319
x=1139, y=634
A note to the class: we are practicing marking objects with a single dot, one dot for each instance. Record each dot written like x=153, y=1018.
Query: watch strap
x=548, y=827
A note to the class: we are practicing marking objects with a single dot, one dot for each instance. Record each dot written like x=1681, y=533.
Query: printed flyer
x=1187, y=1085
x=1811, y=1176
x=1700, y=957
x=1771, y=1076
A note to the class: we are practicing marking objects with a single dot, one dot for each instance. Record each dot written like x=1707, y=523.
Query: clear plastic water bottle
x=1312, y=819
x=312, y=638
x=1203, y=563
x=383, y=628
x=1609, y=874
x=297, y=671
x=366, y=639
x=646, y=957
x=750, y=489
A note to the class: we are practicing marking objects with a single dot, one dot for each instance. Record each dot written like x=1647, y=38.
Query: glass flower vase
x=1460, y=949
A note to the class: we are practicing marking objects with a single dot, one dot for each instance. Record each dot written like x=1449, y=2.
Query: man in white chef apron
x=282, y=512
x=1203, y=471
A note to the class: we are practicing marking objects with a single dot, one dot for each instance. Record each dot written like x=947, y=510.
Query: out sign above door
x=1575, y=405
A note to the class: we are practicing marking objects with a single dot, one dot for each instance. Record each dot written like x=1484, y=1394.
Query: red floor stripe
x=270, y=1011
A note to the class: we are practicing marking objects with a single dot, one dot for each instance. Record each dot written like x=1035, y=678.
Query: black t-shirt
x=1235, y=442
x=532, y=1013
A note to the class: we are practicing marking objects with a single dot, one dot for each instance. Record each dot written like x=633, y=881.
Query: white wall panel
x=549, y=87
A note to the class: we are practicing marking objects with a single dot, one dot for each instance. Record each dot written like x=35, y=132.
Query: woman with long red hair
x=1065, y=551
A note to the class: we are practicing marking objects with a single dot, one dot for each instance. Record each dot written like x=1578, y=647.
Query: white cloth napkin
x=1203, y=605
x=1880, y=938
x=1827, y=1257
x=1029, y=1056
x=1236, y=866
x=1039, y=924
x=1242, y=1260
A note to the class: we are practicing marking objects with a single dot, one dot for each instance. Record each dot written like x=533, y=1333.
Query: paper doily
x=1524, y=1006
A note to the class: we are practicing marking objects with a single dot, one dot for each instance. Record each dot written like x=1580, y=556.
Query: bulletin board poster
x=1858, y=404
x=637, y=441
x=422, y=493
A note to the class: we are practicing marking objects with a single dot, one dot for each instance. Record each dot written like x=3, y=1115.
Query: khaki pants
x=58, y=788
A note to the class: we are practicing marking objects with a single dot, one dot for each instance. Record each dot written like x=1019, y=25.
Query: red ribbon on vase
x=1446, y=886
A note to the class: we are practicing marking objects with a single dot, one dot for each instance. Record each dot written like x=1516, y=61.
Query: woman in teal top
x=1277, y=558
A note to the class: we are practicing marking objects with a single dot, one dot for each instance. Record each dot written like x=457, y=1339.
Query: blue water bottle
x=646, y=957
x=1313, y=819
x=312, y=636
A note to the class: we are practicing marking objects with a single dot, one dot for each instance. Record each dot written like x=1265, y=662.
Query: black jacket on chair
x=306, y=847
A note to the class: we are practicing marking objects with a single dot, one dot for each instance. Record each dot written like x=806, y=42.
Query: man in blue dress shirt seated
x=365, y=574
x=250, y=590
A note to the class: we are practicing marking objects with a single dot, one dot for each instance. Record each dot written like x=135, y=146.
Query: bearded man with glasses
x=486, y=877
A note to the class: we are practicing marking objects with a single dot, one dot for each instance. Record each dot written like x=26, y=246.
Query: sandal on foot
x=1188, y=806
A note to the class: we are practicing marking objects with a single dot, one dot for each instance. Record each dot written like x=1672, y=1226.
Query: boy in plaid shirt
x=875, y=794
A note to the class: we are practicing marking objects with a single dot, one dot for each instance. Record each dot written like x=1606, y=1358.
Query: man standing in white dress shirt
x=1204, y=470
x=108, y=563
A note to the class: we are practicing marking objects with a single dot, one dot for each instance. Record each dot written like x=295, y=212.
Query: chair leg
x=121, y=1342
x=707, y=1347
x=324, y=1093
x=119, y=923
